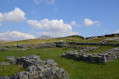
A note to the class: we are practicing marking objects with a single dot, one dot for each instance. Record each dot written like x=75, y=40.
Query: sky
x=29, y=19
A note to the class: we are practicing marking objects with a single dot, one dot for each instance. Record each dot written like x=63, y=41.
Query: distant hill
x=45, y=37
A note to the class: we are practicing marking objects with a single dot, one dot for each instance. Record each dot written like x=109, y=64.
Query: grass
x=31, y=41
x=101, y=49
x=75, y=69
x=9, y=70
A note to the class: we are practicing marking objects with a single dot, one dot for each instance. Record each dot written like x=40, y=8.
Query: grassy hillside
x=75, y=69
x=64, y=39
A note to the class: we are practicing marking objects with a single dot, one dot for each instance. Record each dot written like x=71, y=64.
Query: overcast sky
x=28, y=19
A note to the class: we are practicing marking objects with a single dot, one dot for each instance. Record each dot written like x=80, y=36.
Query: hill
x=75, y=69
x=73, y=38
x=45, y=37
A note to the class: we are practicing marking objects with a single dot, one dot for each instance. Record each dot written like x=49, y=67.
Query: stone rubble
x=102, y=57
x=54, y=44
x=37, y=69
x=93, y=43
x=83, y=49
x=46, y=45
x=111, y=39
x=5, y=49
x=10, y=60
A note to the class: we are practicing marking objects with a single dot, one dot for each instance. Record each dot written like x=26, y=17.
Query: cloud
x=15, y=16
x=55, y=28
x=117, y=31
x=1, y=19
x=89, y=22
x=15, y=35
x=34, y=24
x=57, y=34
x=73, y=23
x=45, y=1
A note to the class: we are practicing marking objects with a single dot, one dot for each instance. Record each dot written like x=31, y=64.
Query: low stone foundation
x=57, y=44
x=102, y=57
x=93, y=43
x=38, y=69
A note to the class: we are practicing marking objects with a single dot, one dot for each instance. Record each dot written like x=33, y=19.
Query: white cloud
x=57, y=34
x=1, y=19
x=16, y=15
x=36, y=1
x=15, y=35
x=73, y=23
x=117, y=31
x=89, y=22
x=45, y=1
x=54, y=27
x=34, y=24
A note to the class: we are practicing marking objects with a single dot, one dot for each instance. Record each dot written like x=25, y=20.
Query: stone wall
x=102, y=57
x=83, y=49
x=58, y=44
x=108, y=35
x=5, y=49
x=46, y=45
x=92, y=43
x=38, y=69
x=111, y=40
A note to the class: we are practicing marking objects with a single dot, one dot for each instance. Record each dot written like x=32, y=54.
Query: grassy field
x=75, y=69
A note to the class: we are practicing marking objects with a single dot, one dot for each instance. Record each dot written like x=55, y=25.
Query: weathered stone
x=4, y=77
x=39, y=70
x=93, y=43
x=111, y=39
x=28, y=60
x=5, y=63
x=102, y=57
x=11, y=59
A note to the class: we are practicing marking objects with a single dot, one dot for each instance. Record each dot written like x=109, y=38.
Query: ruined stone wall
x=92, y=43
x=58, y=44
x=102, y=57
x=38, y=69
x=108, y=35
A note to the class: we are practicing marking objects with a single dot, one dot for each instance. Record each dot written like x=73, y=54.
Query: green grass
x=31, y=41
x=101, y=49
x=75, y=69
x=9, y=70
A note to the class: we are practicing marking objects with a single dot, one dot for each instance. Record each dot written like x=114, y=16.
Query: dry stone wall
x=102, y=57
x=38, y=69
x=111, y=40
x=92, y=43
x=58, y=44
